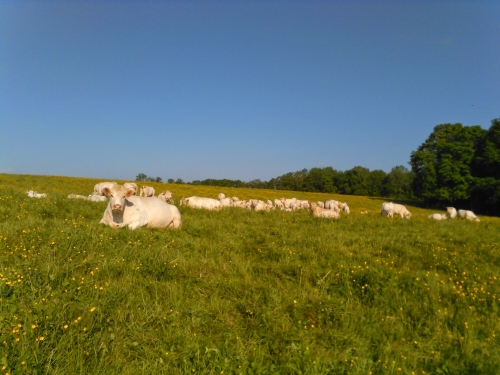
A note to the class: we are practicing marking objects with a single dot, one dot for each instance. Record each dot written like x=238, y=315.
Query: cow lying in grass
x=77, y=196
x=318, y=211
x=34, y=194
x=201, y=202
x=126, y=209
x=437, y=216
x=464, y=214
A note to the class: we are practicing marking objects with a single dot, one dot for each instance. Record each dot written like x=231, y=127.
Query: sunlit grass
x=242, y=292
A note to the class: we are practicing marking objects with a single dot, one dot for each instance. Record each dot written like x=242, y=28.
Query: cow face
x=166, y=194
x=117, y=195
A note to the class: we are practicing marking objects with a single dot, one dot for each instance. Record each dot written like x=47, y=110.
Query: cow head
x=117, y=195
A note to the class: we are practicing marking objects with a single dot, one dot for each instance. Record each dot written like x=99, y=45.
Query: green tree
x=398, y=183
x=141, y=177
x=442, y=164
x=488, y=159
x=377, y=178
x=320, y=180
x=357, y=181
x=486, y=194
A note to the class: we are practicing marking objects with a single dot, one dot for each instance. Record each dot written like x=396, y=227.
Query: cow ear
x=129, y=193
x=106, y=191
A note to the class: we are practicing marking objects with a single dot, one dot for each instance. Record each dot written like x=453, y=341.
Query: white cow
x=147, y=191
x=437, y=216
x=126, y=209
x=278, y=203
x=469, y=215
x=166, y=196
x=221, y=196
x=302, y=204
x=389, y=209
x=98, y=188
x=226, y=202
x=289, y=203
x=97, y=198
x=345, y=208
x=260, y=206
x=254, y=202
x=34, y=194
x=131, y=185
x=402, y=211
x=464, y=214
x=318, y=211
x=201, y=202
x=242, y=204
x=451, y=212
x=77, y=196
x=332, y=205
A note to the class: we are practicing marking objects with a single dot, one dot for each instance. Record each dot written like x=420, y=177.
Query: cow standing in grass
x=389, y=209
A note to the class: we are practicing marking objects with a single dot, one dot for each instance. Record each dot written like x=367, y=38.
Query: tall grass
x=242, y=292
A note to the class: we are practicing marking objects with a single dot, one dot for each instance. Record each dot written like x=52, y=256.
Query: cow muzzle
x=117, y=207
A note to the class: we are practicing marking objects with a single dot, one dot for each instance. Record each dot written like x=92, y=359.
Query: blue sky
x=237, y=89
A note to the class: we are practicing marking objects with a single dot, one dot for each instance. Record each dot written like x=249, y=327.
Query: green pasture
x=242, y=292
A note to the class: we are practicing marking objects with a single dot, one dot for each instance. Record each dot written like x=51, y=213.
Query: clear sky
x=237, y=89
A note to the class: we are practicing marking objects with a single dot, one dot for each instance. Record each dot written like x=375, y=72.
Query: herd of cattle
x=126, y=208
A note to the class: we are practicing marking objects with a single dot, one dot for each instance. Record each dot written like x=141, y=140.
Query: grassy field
x=242, y=292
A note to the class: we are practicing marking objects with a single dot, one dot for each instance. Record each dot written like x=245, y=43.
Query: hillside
x=239, y=291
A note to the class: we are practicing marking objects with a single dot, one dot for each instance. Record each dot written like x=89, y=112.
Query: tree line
x=356, y=181
x=144, y=177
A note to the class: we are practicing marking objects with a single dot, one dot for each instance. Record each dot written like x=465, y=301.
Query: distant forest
x=356, y=181
x=456, y=166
